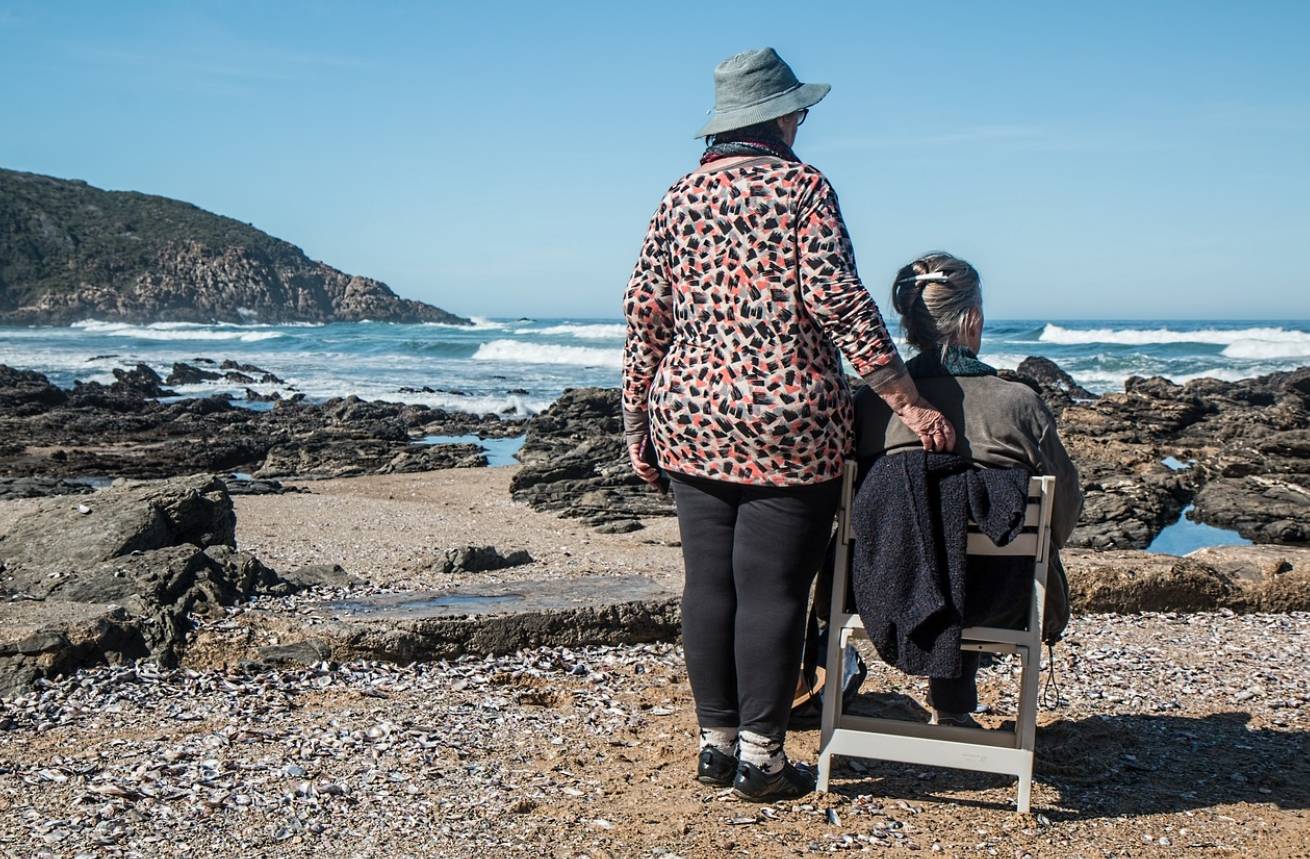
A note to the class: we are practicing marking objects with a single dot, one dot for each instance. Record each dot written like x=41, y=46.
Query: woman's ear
x=973, y=329
x=787, y=126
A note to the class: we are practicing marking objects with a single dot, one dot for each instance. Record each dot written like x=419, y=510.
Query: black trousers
x=750, y=554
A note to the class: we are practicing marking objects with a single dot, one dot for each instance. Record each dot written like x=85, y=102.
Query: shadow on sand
x=1115, y=765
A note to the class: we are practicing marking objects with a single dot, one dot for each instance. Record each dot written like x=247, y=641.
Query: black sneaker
x=789, y=783
x=714, y=767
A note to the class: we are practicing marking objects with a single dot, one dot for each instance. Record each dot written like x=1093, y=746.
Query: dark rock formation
x=1057, y=388
x=118, y=430
x=140, y=380
x=49, y=638
x=69, y=252
x=27, y=392
x=39, y=487
x=1048, y=374
x=575, y=463
x=239, y=486
x=1250, y=442
x=63, y=536
x=325, y=455
x=254, y=396
x=478, y=559
x=237, y=368
x=1264, y=508
x=185, y=374
x=321, y=576
x=118, y=575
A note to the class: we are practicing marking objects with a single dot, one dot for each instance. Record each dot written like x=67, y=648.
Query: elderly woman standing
x=744, y=291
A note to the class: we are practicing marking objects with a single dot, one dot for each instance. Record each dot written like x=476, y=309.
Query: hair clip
x=935, y=277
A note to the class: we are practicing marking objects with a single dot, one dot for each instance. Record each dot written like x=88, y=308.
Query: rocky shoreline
x=124, y=430
x=1237, y=453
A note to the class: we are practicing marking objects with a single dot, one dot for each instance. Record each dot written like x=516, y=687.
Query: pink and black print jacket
x=744, y=291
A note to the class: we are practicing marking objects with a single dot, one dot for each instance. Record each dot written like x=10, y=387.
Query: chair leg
x=1026, y=789
x=825, y=770
x=1030, y=658
x=1026, y=722
x=832, y=694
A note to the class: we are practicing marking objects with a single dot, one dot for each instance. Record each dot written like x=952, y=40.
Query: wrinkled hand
x=934, y=430
x=644, y=469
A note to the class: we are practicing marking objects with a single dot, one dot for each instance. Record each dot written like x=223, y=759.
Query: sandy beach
x=1175, y=731
x=388, y=529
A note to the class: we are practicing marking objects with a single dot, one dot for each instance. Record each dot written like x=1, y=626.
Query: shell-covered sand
x=1176, y=734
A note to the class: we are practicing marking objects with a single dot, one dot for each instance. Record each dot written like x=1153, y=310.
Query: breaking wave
x=516, y=352
x=1148, y=336
x=582, y=332
x=480, y=323
x=178, y=331
x=1266, y=349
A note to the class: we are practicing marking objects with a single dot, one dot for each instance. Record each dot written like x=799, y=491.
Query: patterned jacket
x=744, y=291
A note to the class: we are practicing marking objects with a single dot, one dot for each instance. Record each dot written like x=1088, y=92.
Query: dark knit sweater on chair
x=910, y=522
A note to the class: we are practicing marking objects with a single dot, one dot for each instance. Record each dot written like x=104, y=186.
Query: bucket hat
x=755, y=86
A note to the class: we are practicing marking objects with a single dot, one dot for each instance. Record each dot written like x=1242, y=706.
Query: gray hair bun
x=935, y=296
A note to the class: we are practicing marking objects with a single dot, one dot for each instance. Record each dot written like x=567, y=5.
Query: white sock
x=723, y=739
x=763, y=752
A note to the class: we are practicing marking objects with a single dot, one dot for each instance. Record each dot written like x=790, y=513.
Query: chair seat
x=982, y=639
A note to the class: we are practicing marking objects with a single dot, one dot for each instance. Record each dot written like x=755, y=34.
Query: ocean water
x=519, y=366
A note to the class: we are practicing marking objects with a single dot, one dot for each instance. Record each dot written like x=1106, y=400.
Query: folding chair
x=1008, y=752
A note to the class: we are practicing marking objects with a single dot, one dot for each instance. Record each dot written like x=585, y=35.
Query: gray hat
x=756, y=86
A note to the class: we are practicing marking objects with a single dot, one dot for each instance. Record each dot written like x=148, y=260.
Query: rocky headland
x=69, y=252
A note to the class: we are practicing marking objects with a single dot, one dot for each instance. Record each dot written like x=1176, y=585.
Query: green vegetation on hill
x=69, y=251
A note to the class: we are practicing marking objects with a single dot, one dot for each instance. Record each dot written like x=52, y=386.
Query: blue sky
x=1106, y=160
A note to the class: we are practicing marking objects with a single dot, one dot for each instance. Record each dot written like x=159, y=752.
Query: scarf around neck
x=752, y=148
x=958, y=361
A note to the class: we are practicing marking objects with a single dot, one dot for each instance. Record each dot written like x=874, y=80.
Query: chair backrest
x=1034, y=542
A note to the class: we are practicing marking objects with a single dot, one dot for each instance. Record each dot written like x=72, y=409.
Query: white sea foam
x=516, y=352
x=1266, y=349
x=326, y=387
x=1146, y=336
x=615, y=331
x=480, y=323
x=475, y=404
x=178, y=331
x=1101, y=381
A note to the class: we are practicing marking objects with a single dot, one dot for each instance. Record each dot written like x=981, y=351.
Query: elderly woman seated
x=1000, y=424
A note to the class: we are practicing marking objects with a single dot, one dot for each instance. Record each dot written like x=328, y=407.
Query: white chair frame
x=1009, y=752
